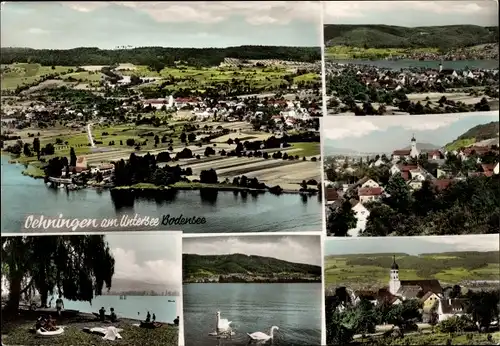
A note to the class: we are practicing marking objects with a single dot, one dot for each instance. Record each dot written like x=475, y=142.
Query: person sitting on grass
x=50, y=325
x=154, y=317
x=148, y=318
x=40, y=322
x=176, y=321
x=113, y=316
x=102, y=314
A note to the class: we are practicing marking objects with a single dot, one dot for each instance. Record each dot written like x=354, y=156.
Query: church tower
x=394, y=283
x=414, y=153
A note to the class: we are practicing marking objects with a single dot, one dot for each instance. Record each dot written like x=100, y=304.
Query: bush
x=454, y=324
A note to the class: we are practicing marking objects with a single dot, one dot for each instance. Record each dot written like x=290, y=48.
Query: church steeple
x=394, y=264
x=394, y=282
x=413, y=138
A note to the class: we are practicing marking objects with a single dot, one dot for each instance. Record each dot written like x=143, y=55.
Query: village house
x=448, y=308
x=370, y=194
x=377, y=163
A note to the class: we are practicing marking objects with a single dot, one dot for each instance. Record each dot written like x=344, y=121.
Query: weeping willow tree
x=75, y=267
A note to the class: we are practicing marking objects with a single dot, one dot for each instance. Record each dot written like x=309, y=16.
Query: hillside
x=244, y=268
x=151, y=55
x=483, y=132
x=372, y=270
x=387, y=36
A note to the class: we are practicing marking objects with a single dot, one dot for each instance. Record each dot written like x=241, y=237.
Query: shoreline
x=195, y=186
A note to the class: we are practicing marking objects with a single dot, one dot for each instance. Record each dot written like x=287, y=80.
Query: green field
x=346, y=52
x=197, y=78
x=84, y=76
x=15, y=75
x=307, y=148
x=373, y=269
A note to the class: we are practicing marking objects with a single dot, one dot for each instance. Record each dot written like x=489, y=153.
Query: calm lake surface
x=164, y=310
x=294, y=308
x=405, y=64
x=266, y=212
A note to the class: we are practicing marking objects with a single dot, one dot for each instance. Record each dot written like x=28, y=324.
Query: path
x=89, y=133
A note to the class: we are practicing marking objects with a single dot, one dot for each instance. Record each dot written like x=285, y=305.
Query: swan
x=223, y=325
x=263, y=336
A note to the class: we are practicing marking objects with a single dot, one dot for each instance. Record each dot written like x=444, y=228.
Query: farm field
x=346, y=52
x=15, y=75
x=372, y=270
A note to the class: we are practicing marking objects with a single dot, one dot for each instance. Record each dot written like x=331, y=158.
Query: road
x=89, y=133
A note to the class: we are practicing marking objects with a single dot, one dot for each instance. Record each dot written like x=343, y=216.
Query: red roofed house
x=441, y=184
x=404, y=170
x=488, y=169
x=331, y=195
x=369, y=194
x=435, y=155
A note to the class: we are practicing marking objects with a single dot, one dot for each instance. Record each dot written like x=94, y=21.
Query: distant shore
x=252, y=280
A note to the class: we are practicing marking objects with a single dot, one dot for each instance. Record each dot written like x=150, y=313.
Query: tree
x=36, y=147
x=424, y=199
x=77, y=267
x=72, y=157
x=399, y=194
x=157, y=140
x=483, y=307
x=191, y=137
x=182, y=137
x=341, y=220
x=26, y=150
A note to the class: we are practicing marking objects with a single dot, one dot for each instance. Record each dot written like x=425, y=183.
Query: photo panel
x=207, y=139
x=253, y=289
x=412, y=290
x=411, y=176
x=92, y=289
x=410, y=57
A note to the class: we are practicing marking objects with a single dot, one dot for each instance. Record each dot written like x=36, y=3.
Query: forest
x=387, y=36
x=426, y=265
x=153, y=56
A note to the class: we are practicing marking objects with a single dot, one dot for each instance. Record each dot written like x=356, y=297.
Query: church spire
x=413, y=138
x=394, y=264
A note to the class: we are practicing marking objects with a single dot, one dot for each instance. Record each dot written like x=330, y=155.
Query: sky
x=297, y=248
x=154, y=257
x=63, y=25
x=412, y=245
x=389, y=133
x=412, y=13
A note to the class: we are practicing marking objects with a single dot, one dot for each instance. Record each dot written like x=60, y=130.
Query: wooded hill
x=475, y=134
x=388, y=36
x=152, y=55
x=426, y=265
x=205, y=266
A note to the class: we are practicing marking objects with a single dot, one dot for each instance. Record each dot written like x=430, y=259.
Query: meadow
x=434, y=338
x=347, y=52
x=15, y=75
x=373, y=269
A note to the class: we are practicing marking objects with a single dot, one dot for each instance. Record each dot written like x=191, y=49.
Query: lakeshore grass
x=34, y=171
x=19, y=334
x=435, y=338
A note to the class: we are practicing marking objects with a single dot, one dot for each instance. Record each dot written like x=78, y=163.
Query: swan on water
x=223, y=324
x=263, y=336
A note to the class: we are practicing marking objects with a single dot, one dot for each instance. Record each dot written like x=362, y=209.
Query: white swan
x=223, y=325
x=263, y=336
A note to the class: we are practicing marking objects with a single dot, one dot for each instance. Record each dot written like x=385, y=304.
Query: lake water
x=164, y=310
x=405, y=64
x=294, y=308
x=266, y=212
